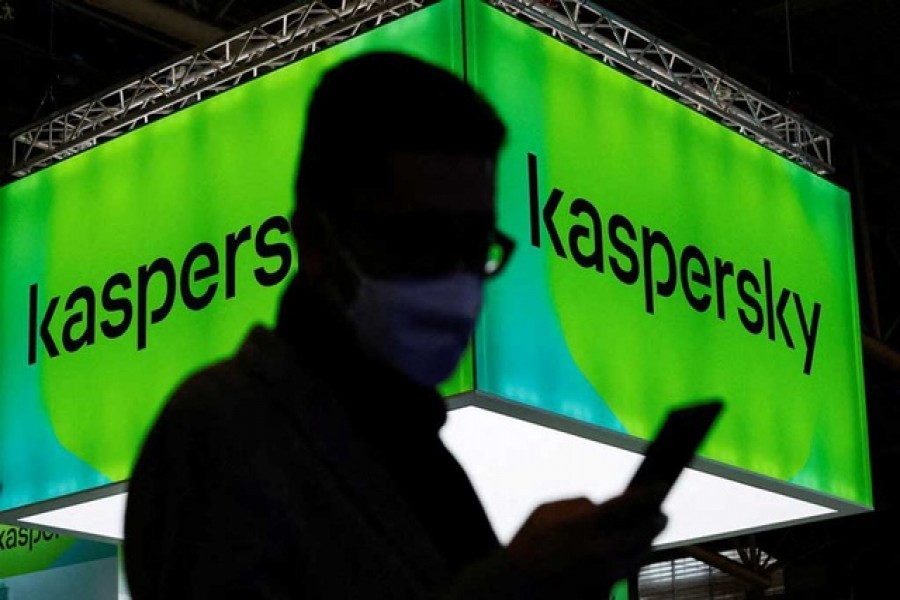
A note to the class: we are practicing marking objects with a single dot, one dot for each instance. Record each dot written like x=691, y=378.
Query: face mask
x=420, y=327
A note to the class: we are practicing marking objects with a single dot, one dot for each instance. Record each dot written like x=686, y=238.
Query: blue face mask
x=419, y=327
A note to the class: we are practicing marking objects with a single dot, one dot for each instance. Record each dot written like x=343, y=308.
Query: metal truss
x=599, y=33
x=274, y=41
x=311, y=26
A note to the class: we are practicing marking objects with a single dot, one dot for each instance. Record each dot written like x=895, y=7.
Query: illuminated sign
x=664, y=258
x=661, y=258
x=129, y=266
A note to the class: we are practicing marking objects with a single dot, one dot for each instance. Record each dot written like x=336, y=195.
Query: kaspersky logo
x=613, y=246
x=68, y=323
x=20, y=537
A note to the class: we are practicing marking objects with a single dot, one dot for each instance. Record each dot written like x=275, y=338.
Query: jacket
x=253, y=483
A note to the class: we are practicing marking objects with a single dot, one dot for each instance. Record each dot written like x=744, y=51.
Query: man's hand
x=579, y=549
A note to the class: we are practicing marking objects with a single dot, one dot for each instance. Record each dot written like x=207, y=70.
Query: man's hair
x=378, y=104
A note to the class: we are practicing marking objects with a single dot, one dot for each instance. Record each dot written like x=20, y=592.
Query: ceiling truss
x=272, y=42
x=599, y=33
x=306, y=28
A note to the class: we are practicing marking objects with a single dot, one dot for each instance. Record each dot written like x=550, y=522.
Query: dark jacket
x=255, y=483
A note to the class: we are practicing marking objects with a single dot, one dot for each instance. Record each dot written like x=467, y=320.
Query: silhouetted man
x=309, y=465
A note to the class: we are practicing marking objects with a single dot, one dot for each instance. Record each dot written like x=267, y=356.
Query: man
x=309, y=465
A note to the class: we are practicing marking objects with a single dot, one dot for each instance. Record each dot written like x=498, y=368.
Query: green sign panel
x=125, y=268
x=663, y=258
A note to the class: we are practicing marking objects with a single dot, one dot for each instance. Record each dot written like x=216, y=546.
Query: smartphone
x=675, y=445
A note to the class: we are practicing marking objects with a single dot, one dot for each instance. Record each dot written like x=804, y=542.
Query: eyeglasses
x=396, y=247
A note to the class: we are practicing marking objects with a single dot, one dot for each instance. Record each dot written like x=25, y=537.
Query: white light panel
x=516, y=465
x=103, y=517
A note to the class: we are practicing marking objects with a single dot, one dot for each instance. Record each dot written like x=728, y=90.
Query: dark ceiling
x=837, y=62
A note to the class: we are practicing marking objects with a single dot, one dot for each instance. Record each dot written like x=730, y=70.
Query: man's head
x=395, y=200
x=396, y=150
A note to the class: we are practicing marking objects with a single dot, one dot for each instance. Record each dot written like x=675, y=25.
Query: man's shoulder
x=242, y=384
x=226, y=411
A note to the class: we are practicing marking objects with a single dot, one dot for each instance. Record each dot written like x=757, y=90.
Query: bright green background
x=578, y=342
x=76, y=421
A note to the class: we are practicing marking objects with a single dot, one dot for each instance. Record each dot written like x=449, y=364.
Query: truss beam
x=306, y=28
x=599, y=33
x=266, y=45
